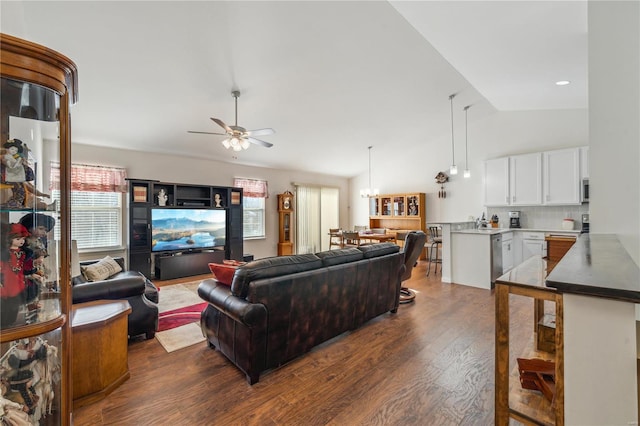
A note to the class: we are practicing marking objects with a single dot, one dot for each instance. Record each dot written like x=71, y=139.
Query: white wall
x=495, y=135
x=614, y=120
x=166, y=168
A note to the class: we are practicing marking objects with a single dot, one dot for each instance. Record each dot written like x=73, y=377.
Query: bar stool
x=436, y=243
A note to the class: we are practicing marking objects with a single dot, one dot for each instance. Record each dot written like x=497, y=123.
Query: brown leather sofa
x=279, y=308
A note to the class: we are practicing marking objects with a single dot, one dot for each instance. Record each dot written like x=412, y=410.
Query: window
x=253, y=217
x=254, y=192
x=96, y=205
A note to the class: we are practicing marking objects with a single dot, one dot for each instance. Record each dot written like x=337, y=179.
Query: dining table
x=377, y=237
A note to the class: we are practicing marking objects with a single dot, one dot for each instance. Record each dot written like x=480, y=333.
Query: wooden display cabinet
x=398, y=213
x=285, y=224
x=38, y=85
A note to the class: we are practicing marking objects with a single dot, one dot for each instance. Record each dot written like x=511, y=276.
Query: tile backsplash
x=541, y=217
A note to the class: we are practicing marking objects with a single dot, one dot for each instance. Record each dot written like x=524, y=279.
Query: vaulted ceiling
x=331, y=78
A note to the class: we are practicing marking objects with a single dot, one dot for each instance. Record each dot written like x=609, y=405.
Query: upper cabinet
x=561, y=170
x=525, y=179
x=547, y=178
x=496, y=182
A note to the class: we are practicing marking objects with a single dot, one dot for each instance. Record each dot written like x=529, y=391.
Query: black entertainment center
x=181, y=228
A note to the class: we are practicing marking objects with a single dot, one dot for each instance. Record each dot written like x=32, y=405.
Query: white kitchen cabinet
x=507, y=251
x=533, y=244
x=561, y=176
x=496, y=182
x=525, y=179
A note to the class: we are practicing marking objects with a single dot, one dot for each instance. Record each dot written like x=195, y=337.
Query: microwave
x=585, y=190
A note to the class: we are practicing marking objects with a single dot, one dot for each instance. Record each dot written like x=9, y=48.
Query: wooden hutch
x=398, y=213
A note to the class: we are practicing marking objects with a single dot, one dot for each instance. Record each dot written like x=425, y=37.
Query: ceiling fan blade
x=206, y=133
x=261, y=132
x=221, y=124
x=259, y=142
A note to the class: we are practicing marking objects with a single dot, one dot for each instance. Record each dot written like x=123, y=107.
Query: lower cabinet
x=184, y=265
x=507, y=251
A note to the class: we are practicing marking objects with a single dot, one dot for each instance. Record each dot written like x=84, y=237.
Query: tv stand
x=186, y=264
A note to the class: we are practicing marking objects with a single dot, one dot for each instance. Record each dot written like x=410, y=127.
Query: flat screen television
x=187, y=229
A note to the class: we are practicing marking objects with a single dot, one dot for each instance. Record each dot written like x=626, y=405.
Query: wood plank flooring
x=432, y=363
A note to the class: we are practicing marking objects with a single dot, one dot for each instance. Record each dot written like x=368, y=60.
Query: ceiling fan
x=238, y=137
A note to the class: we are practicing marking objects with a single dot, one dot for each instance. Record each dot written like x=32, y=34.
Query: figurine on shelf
x=217, y=198
x=162, y=197
x=38, y=225
x=31, y=368
x=13, y=162
x=12, y=286
x=16, y=173
x=12, y=413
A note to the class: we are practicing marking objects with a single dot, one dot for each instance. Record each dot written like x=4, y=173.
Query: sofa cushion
x=381, y=249
x=336, y=257
x=271, y=267
x=223, y=273
x=101, y=270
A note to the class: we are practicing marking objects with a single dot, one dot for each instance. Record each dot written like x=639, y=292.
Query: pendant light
x=453, y=170
x=367, y=192
x=467, y=172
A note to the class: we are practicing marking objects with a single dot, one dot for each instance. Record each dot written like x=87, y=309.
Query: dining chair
x=350, y=239
x=436, y=242
x=335, y=238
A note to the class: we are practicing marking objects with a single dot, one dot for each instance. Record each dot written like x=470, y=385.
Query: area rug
x=181, y=316
x=180, y=308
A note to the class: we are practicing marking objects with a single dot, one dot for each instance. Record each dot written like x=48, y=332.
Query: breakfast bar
x=595, y=288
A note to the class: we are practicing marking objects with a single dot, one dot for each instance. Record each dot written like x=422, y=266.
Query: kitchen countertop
x=493, y=231
x=597, y=265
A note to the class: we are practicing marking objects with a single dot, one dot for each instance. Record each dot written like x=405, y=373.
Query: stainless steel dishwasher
x=496, y=257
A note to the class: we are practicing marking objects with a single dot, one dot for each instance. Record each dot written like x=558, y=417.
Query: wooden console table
x=99, y=350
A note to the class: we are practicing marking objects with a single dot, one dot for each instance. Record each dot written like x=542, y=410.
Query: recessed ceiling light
x=562, y=82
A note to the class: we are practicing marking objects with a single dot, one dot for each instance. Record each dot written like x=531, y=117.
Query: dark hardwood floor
x=432, y=363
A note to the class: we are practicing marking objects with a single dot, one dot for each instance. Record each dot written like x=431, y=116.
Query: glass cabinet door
x=31, y=306
x=374, y=206
x=386, y=206
x=30, y=157
x=398, y=205
x=413, y=206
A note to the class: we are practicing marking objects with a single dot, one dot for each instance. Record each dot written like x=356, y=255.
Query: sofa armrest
x=120, y=286
x=218, y=295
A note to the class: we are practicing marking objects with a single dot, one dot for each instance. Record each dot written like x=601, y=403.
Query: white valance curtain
x=254, y=188
x=91, y=178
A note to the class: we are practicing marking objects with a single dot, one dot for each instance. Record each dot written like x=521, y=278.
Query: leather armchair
x=133, y=286
x=413, y=245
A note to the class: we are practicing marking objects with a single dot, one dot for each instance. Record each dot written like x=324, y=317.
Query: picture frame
x=235, y=198
x=139, y=194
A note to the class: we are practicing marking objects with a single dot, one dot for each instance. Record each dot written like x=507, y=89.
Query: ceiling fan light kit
x=239, y=138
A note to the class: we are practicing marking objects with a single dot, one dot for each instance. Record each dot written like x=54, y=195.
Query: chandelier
x=368, y=192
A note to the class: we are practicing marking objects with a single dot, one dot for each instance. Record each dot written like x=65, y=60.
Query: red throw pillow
x=223, y=273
